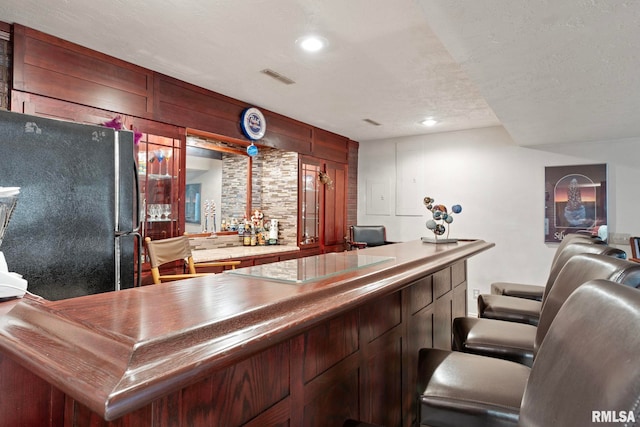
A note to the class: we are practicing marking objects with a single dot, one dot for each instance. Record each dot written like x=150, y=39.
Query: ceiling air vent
x=277, y=76
x=372, y=122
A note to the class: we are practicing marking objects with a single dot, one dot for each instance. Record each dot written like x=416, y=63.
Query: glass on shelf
x=166, y=211
x=167, y=158
x=158, y=159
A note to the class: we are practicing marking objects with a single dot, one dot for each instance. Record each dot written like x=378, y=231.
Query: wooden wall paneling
x=23, y=393
x=335, y=207
x=325, y=371
x=266, y=260
x=78, y=415
x=443, y=312
x=18, y=41
x=458, y=273
x=287, y=134
x=239, y=393
x=28, y=103
x=5, y=27
x=459, y=283
x=202, y=109
x=333, y=397
x=37, y=105
x=48, y=66
x=380, y=317
x=443, y=315
x=382, y=360
x=419, y=315
x=153, y=127
x=441, y=282
x=167, y=410
x=297, y=383
x=328, y=343
x=459, y=302
x=195, y=107
x=287, y=256
x=310, y=252
x=420, y=294
x=276, y=416
x=330, y=146
x=383, y=383
x=52, y=67
x=255, y=388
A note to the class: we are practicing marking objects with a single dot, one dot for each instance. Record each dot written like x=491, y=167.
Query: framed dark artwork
x=575, y=200
x=192, y=203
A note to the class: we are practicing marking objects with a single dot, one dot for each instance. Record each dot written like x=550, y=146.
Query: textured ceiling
x=552, y=73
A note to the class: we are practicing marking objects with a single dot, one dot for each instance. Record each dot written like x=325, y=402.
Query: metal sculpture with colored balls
x=440, y=217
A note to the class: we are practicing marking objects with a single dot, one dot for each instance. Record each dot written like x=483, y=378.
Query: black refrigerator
x=74, y=230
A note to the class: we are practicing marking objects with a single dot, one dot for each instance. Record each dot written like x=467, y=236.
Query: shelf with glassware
x=158, y=172
x=309, y=200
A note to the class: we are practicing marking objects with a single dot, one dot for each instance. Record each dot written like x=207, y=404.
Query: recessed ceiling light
x=312, y=43
x=429, y=122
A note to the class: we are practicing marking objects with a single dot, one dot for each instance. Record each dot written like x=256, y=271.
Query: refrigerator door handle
x=138, y=262
x=138, y=220
x=138, y=238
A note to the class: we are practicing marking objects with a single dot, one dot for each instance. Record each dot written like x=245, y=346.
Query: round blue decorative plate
x=253, y=123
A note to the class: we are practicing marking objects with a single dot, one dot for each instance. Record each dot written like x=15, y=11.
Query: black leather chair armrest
x=518, y=290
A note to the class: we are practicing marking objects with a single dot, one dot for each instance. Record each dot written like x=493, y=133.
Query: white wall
x=501, y=189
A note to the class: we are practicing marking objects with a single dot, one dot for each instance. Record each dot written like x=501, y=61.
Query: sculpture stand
x=437, y=241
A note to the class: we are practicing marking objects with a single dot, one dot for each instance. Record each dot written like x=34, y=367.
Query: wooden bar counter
x=337, y=340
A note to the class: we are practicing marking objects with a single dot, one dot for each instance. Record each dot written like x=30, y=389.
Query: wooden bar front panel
x=359, y=364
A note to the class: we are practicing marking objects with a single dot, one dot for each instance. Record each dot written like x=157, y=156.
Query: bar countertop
x=220, y=254
x=118, y=351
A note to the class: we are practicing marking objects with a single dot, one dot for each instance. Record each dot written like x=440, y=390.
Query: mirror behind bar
x=216, y=170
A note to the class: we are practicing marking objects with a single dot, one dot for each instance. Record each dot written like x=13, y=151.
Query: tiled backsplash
x=219, y=241
x=274, y=188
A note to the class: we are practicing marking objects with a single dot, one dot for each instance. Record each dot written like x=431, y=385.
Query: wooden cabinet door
x=322, y=212
x=335, y=207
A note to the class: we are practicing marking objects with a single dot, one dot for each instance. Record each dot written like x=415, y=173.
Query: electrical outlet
x=619, y=238
x=476, y=293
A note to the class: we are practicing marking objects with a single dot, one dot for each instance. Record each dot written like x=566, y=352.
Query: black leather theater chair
x=535, y=292
x=521, y=310
x=587, y=363
x=367, y=236
x=516, y=341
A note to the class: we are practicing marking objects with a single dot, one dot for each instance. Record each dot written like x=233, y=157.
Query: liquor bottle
x=253, y=236
x=246, y=241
